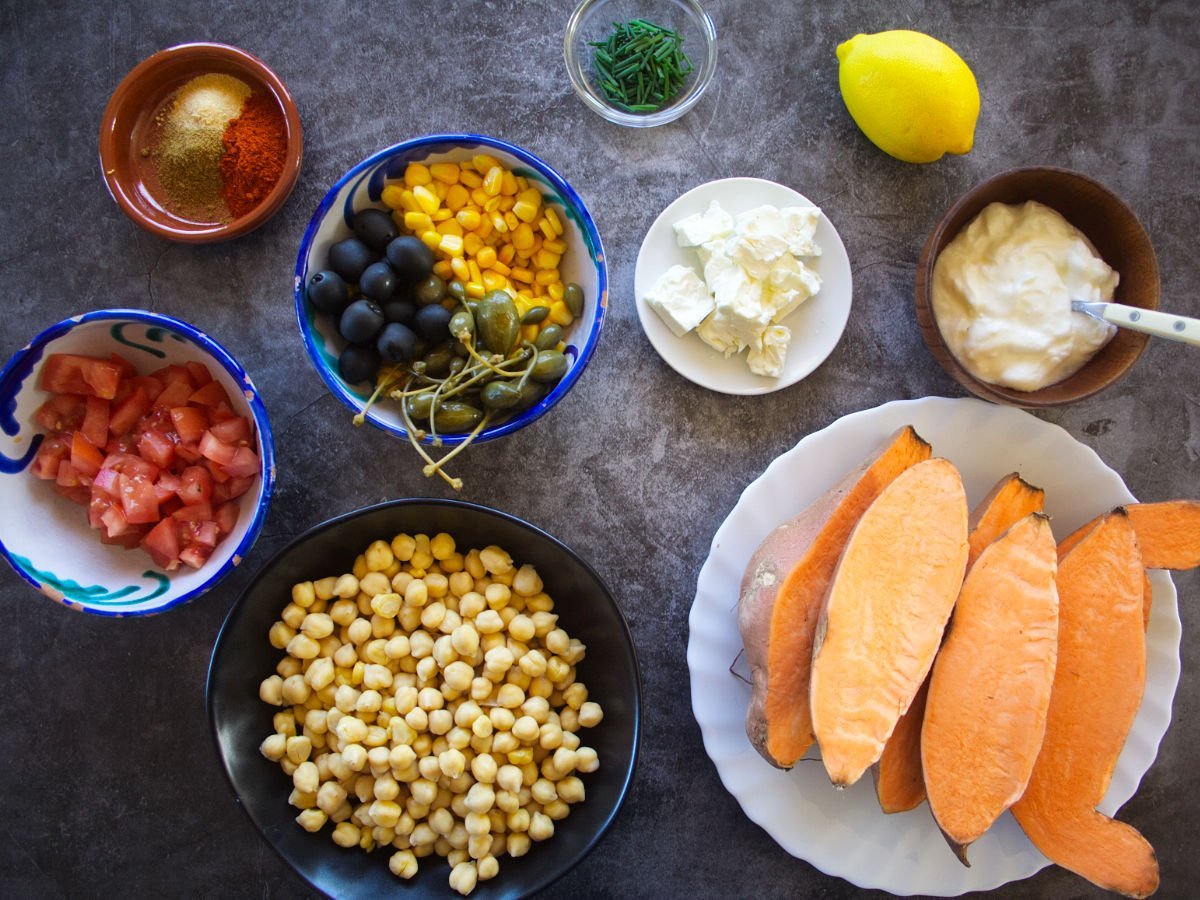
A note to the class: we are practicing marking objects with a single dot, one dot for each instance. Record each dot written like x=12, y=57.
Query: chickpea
x=403, y=864
x=517, y=844
x=387, y=604
x=271, y=690
x=590, y=714
x=463, y=877
x=285, y=722
x=280, y=634
x=541, y=827
x=298, y=748
x=274, y=747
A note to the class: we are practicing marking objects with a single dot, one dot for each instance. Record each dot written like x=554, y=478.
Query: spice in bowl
x=641, y=66
x=217, y=149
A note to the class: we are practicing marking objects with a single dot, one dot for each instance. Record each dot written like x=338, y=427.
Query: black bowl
x=243, y=657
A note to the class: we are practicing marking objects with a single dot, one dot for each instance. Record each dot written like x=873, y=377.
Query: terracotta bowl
x=1114, y=231
x=129, y=126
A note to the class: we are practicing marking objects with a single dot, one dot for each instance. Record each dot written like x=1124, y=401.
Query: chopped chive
x=640, y=66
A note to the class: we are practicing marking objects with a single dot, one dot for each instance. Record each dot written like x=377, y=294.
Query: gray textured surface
x=110, y=784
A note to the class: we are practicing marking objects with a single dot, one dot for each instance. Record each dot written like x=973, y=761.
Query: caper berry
x=457, y=364
x=456, y=290
x=573, y=297
x=437, y=361
x=497, y=322
x=549, y=337
x=531, y=393
x=462, y=321
x=419, y=405
x=431, y=290
x=550, y=366
x=497, y=395
x=455, y=416
x=535, y=315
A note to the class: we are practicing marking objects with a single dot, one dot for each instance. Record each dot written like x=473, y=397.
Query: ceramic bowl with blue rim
x=362, y=187
x=46, y=538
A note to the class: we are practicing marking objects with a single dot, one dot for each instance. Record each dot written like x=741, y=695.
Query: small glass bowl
x=593, y=21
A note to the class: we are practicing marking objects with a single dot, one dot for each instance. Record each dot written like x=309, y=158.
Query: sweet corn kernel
x=474, y=289
x=508, y=184
x=391, y=196
x=459, y=267
x=511, y=221
x=468, y=219
x=451, y=244
x=442, y=215
x=530, y=332
x=472, y=243
x=518, y=274
x=486, y=257
x=408, y=202
x=506, y=203
x=446, y=172
x=546, y=228
x=426, y=199
x=476, y=273
x=493, y=205
x=417, y=174
x=554, y=220
x=526, y=212
x=469, y=177
x=523, y=236
x=546, y=276
x=457, y=197
x=500, y=268
x=498, y=222
x=555, y=291
x=479, y=196
x=442, y=269
x=559, y=314
x=539, y=290
x=430, y=239
x=484, y=162
x=494, y=281
x=492, y=180
x=546, y=260
x=522, y=183
x=506, y=254
x=450, y=226
x=555, y=245
x=417, y=221
x=439, y=188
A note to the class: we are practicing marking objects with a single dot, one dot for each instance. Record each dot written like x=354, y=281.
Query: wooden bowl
x=1114, y=231
x=129, y=126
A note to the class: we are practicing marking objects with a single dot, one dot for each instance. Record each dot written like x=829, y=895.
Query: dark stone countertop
x=110, y=782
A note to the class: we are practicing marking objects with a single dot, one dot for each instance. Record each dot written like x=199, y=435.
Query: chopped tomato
x=205, y=533
x=126, y=413
x=211, y=394
x=199, y=373
x=95, y=421
x=217, y=450
x=174, y=394
x=62, y=412
x=226, y=517
x=139, y=501
x=52, y=452
x=196, y=485
x=197, y=512
x=157, y=447
x=173, y=374
x=162, y=543
x=231, y=431
x=67, y=373
x=114, y=522
x=245, y=463
x=195, y=554
x=152, y=386
x=189, y=453
x=126, y=367
x=239, y=486
x=80, y=494
x=166, y=487
x=85, y=458
x=190, y=422
x=129, y=538
x=67, y=476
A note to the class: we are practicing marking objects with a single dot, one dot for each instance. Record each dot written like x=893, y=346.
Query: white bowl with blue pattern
x=361, y=187
x=46, y=538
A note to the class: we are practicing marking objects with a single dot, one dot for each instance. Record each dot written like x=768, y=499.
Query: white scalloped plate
x=844, y=833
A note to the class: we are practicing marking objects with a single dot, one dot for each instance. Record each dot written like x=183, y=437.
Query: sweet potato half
x=1097, y=689
x=781, y=595
x=899, y=779
x=885, y=612
x=989, y=690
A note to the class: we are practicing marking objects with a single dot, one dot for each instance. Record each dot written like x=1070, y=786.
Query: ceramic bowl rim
x=587, y=346
x=258, y=412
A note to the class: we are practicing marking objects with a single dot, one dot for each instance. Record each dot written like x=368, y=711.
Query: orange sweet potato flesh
x=1168, y=534
x=1097, y=690
x=989, y=690
x=899, y=780
x=884, y=615
x=781, y=595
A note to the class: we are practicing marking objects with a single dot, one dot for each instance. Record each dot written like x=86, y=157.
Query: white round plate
x=845, y=833
x=816, y=326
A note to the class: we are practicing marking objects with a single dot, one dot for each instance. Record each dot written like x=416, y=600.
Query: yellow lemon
x=910, y=94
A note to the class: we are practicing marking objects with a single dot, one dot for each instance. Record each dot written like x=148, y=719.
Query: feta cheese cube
x=767, y=355
x=790, y=283
x=701, y=228
x=800, y=229
x=681, y=299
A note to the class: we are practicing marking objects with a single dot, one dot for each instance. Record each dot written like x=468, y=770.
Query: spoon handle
x=1159, y=324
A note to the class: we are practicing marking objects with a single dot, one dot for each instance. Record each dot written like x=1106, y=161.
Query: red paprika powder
x=255, y=151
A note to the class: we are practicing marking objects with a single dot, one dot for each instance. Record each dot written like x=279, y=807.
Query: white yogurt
x=1002, y=292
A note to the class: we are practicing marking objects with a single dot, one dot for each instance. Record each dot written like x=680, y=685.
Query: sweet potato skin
x=781, y=595
x=1096, y=694
x=885, y=612
x=899, y=776
x=990, y=685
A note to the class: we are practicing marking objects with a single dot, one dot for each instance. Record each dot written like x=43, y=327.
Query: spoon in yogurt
x=1149, y=321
